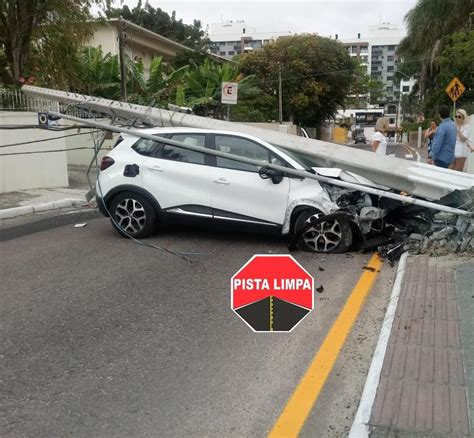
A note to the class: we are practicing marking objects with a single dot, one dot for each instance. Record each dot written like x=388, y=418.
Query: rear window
x=146, y=147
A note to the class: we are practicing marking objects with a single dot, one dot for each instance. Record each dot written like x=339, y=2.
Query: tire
x=133, y=215
x=333, y=236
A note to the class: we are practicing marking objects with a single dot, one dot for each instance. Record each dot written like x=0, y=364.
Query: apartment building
x=359, y=49
x=231, y=38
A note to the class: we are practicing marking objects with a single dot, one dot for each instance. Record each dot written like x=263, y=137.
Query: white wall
x=83, y=157
x=106, y=36
x=23, y=172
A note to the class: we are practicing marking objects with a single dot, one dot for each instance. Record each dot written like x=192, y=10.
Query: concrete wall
x=106, y=36
x=84, y=156
x=39, y=170
x=287, y=128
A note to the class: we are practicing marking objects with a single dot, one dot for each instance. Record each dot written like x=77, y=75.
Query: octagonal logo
x=272, y=293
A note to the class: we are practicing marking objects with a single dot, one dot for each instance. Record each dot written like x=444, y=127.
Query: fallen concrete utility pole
x=285, y=170
x=416, y=178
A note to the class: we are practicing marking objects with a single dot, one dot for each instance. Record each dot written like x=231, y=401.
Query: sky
x=325, y=17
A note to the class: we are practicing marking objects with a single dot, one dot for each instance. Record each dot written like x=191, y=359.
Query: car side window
x=169, y=152
x=243, y=148
x=146, y=147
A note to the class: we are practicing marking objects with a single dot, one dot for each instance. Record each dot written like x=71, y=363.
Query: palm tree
x=428, y=23
x=202, y=87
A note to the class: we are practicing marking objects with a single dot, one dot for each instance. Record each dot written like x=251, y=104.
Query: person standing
x=462, y=149
x=379, y=141
x=429, y=136
x=442, y=147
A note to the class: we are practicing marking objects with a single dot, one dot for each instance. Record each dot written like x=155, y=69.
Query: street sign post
x=229, y=95
x=272, y=293
x=455, y=89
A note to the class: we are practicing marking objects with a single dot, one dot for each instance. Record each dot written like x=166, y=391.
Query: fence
x=15, y=100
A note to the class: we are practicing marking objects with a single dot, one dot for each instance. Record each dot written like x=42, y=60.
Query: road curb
x=10, y=213
x=360, y=426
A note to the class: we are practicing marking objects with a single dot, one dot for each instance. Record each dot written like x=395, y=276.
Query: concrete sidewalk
x=26, y=202
x=423, y=384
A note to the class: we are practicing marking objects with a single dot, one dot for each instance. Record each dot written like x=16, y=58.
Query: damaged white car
x=144, y=182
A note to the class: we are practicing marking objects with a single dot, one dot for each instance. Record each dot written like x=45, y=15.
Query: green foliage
x=42, y=38
x=363, y=84
x=201, y=88
x=428, y=23
x=316, y=75
x=160, y=22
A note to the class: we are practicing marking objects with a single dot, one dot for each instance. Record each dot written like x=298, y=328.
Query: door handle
x=156, y=168
x=222, y=181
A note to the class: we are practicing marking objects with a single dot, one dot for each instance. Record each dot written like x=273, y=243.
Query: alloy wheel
x=324, y=236
x=130, y=215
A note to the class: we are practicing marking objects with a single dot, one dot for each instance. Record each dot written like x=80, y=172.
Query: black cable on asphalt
x=140, y=242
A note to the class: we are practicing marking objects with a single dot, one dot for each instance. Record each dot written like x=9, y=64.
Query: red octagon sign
x=272, y=293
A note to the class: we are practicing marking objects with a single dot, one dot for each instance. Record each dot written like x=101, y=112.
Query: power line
x=45, y=152
x=41, y=140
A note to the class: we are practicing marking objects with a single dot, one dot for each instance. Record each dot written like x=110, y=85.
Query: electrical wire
x=50, y=151
x=41, y=140
x=138, y=241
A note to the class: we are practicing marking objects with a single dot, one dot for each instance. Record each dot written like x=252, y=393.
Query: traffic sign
x=272, y=293
x=455, y=89
x=229, y=93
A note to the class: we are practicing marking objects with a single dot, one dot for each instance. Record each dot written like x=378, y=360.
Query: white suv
x=143, y=183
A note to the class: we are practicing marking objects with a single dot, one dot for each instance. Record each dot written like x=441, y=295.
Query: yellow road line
x=271, y=313
x=306, y=393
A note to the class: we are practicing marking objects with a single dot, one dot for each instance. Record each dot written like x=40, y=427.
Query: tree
x=316, y=75
x=32, y=32
x=362, y=85
x=428, y=23
x=456, y=59
x=201, y=88
x=160, y=22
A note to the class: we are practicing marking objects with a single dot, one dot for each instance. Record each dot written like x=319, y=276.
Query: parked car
x=360, y=138
x=145, y=183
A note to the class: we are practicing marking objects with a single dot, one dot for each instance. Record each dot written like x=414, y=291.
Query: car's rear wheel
x=133, y=215
x=332, y=235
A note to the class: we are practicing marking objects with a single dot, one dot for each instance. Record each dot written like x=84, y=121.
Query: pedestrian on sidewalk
x=429, y=136
x=379, y=141
x=462, y=149
x=442, y=147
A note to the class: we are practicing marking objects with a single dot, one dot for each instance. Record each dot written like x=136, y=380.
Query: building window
x=406, y=88
x=389, y=78
x=390, y=68
x=390, y=58
x=391, y=48
x=231, y=53
x=392, y=109
x=222, y=53
x=390, y=90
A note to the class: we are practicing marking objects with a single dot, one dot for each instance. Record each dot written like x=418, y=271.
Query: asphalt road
x=100, y=336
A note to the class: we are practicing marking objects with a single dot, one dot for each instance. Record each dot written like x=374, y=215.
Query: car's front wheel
x=332, y=235
x=132, y=215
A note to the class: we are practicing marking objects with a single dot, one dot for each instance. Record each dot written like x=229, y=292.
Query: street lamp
x=399, y=101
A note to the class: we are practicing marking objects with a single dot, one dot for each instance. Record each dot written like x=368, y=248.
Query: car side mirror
x=267, y=173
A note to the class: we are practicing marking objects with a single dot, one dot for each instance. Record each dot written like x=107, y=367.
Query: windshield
x=305, y=161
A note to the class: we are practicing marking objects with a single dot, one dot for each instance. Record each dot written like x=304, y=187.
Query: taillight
x=106, y=162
